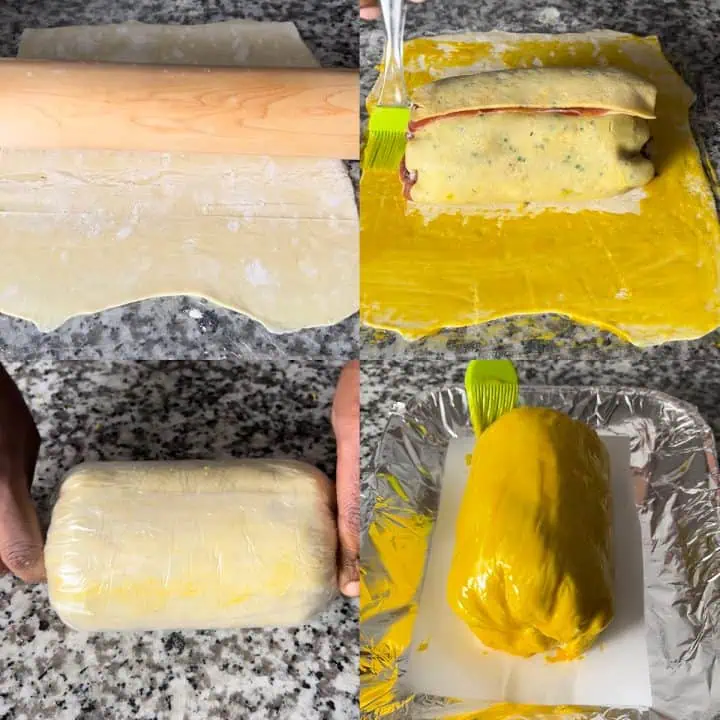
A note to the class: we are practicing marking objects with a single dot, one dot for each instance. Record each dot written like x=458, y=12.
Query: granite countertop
x=687, y=32
x=156, y=410
x=181, y=327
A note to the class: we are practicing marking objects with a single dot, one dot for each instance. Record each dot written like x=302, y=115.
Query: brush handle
x=392, y=89
x=80, y=105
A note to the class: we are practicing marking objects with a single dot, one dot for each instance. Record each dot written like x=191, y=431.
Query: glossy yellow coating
x=515, y=711
x=400, y=539
x=647, y=272
x=532, y=566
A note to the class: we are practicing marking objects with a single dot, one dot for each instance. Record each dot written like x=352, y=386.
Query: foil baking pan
x=675, y=477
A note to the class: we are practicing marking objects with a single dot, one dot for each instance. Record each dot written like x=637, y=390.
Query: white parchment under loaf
x=81, y=231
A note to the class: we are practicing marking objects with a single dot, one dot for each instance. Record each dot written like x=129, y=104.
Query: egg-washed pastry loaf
x=532, y=568
x=529, y=135
x=191, y=545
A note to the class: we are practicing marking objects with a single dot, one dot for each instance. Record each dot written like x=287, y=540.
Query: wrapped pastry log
x=532, y=568
x=180, y=545
x=530, y=135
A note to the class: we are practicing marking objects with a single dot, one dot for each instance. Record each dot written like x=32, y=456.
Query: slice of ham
x=577, y=112
x=407, y=178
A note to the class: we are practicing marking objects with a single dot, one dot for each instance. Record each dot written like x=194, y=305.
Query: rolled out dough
x=539, y=88
x=191, y=544
x=274, y=238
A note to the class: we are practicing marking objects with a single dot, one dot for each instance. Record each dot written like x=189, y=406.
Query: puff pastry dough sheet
x=539, y=88
x=191, y=544
x=644, y=266
x=274, y=238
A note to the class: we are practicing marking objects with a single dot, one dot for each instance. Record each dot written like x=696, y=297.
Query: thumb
x=348, y=481
x=21, y=542
x=346, y=426
x=369, y=10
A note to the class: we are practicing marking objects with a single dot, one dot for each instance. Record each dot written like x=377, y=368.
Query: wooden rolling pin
x=116, y=106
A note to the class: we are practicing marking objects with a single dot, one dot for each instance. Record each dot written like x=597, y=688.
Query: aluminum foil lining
x=674, y=470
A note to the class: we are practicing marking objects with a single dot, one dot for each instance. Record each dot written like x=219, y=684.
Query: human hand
x=346, y=426
x=21, y=542
x=370, y=10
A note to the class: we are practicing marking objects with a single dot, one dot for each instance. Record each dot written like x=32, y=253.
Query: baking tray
x=675, y=476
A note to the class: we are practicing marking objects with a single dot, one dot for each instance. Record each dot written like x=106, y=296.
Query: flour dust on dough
x=274, y=238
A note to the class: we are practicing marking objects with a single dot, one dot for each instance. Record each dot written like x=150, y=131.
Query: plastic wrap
x=674, y=480
x=596, y=117
x=191, y=545
x=527, y=587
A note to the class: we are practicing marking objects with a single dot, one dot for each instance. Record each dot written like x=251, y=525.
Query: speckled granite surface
x=179, y=328
x=92, y=411
x=687, y=32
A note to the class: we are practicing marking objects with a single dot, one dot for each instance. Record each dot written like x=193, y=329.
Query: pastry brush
x=387, y=131
x=491, y=387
